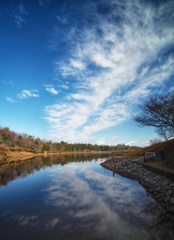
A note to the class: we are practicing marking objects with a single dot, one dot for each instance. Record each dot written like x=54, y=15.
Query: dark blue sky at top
x=30, y=46
x=75, y=70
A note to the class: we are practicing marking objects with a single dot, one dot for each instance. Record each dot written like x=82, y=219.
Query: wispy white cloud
x=11, y=100
x=25, y=219
x=101, y=141
x=10, y=83
x=53, y=222
x=42, y=2
x=20, y=16
x=116, y=62
x=64, y=87
x=25, y=94
x=22, y=9
x=19, y=20
x=77, y=64
x=51, y=89
x=114, y=138
x=62, y=20
x=171, y=89
x=74, y=67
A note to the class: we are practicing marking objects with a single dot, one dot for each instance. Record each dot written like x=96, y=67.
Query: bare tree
x=158, y=112
x=154, y=141
x=165, y=131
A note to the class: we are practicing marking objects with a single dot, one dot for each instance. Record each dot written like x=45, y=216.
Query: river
x=72, y=197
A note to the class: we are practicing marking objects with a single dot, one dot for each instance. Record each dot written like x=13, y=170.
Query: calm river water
x=71, y=197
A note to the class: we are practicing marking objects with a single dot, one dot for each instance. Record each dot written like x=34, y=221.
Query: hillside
x=167, y=164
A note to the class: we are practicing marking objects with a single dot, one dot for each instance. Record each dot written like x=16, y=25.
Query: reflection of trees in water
x=10, y=171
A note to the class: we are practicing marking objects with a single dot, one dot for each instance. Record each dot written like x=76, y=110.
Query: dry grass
x=167, y=164
x=18, y=153
x=161, y=165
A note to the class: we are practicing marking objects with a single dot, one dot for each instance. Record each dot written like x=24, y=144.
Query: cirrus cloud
x=51, y=89
x=25, y=94
x=116, y=62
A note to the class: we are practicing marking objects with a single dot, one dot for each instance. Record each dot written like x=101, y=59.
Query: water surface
x=71, y=197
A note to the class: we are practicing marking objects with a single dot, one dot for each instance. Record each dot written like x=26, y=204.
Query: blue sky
x=76, y=70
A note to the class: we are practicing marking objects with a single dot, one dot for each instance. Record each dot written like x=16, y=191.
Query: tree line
x=10, y=140
x=157, y=111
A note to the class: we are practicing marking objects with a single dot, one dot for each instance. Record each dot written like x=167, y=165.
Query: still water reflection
x=71, y=197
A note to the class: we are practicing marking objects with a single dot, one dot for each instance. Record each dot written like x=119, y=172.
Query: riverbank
x=12, y=156
x=157, y=185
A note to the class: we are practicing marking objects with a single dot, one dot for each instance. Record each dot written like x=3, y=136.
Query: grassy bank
x=166, y=164
x=12, y=156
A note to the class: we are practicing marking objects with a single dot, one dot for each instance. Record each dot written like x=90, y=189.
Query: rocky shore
x=158, y=186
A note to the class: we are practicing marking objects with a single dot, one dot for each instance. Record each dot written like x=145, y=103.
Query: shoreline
x=17, y=156
x=157, y=185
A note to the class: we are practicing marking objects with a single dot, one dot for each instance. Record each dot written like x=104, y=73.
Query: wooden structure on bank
x=120, y=152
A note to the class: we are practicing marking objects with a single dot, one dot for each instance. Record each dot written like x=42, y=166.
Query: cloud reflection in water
x=89, y=200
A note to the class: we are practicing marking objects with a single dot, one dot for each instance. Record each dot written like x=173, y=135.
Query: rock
x=170, y=209
x=169, y=192
x=172, y=201
x=156, y=185
x=165, y=183
x=158, y=188
x=166, y=187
